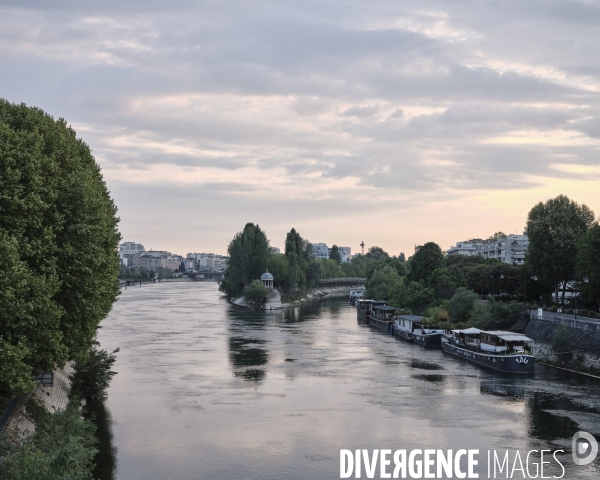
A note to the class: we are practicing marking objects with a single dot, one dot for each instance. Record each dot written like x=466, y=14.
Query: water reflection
x=319, y=382
x=244, y=355
x=106, y=458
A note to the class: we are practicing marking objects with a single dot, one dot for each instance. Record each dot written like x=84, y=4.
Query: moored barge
x=499, y=350
x=364, y=309
x=411, y=329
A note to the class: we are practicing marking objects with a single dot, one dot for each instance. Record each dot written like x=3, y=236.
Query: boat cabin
x=365, y=307
x=505, y=342
x=468, y=337
x=383, y=312
x=407, y=323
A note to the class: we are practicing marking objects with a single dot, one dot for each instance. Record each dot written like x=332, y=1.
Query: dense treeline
x=295, y=272
x=58, y=241
x=564, y=253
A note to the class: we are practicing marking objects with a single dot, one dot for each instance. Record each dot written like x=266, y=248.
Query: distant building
x=345, y=253
x=463, y=248
x=320, y=250
x=510, y=249
x=275, y=250
x=131, y=248
x=171, y=263
x=208, y=262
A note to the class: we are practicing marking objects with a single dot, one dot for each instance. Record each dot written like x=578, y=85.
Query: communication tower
x=362, y=248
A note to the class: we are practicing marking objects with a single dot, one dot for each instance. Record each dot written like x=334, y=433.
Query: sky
x=393, y=123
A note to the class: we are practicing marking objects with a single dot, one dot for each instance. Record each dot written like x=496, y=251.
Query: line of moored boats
x=499, y=350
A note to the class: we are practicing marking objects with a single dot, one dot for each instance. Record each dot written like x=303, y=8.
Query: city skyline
x=384, y=123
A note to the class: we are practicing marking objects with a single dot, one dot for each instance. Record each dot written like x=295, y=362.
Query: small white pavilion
x=267, y=280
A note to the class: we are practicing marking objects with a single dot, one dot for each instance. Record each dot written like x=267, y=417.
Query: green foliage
x=443, y=284
x=413, y=295
x=461, y=304
x=383, y=283
x=480, y=315
x=561, y=340
x=425, y=261
x=256, y=294
x=330, y=268
x=249, y=255
x=496, y=236
x=62, y=447
x=93, y=373
x=494, y=278
x=402, y=257
x=377, y=253
x=335, y=254
x=556, y=226
x=588, y=265
x=58, y=240
x=278, y=267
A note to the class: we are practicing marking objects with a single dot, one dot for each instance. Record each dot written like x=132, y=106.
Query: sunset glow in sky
x=395, y=123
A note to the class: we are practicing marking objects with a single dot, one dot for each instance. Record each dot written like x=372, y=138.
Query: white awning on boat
x=510, y=336
x=469, y=331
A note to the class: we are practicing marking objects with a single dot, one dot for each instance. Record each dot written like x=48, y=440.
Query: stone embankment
x=585, y=333
x=54, y=399
x=274, y=301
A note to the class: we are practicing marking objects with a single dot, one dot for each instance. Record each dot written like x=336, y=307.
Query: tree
x=256, y=294
x=554, y=229
x=278, y=267
x=58, y=241
x=294, y=247
x=480, y=315
x=461, y=304
x=334, y=254
x=561, y=343
x=402, y=257
x=442, y=283
x=425, y=261
x=248, y=258
x=383, y=283
x=377, y=253
x=495, y=237
x=417, y=297
x=588, y=265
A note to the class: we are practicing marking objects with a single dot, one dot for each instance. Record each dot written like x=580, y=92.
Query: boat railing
x=476, y=348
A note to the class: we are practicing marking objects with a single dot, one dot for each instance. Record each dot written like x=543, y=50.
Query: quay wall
x=53, y=399
x=585, y=334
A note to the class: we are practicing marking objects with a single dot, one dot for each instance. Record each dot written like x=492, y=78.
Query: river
x=209, y=391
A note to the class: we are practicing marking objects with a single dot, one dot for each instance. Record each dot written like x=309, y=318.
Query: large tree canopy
x=554, y=229
x=248, y=259
x=588, y=265
x=425, y=261
x=58, y=241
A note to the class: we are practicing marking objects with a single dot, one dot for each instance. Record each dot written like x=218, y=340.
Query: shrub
x=93, y=373
x=461, y=303
x=62, y=447
x=553, y=308
x=569, y=311
x=584, y=313
x=561, y=342
x=480, y=315
x=256, y=294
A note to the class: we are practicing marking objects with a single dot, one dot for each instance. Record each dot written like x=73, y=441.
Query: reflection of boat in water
x=410, y=328
x=503, y=389
x=503, y=351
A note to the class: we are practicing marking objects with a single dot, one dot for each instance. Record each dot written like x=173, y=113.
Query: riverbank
x=274, y=301
x=53, y=399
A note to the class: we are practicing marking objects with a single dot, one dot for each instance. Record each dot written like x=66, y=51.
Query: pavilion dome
x=266, y=276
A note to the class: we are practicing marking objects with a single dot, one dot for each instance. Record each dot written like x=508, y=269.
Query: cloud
x=303, y=109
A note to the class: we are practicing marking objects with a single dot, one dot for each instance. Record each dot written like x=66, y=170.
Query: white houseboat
x=410, y=328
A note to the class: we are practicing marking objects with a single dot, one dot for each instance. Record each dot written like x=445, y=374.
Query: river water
x=209, y=391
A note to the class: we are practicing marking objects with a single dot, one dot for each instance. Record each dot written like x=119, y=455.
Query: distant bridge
x=204, y=276
x=342, y=281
